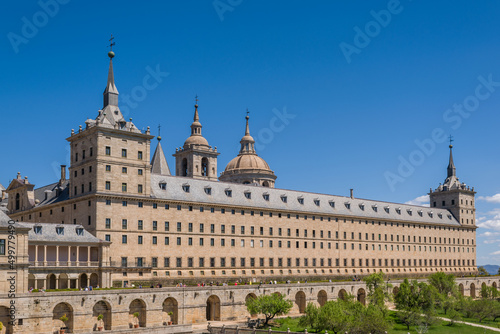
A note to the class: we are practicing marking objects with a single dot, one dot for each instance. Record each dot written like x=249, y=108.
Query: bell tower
x=457, y=197
x=196, y=158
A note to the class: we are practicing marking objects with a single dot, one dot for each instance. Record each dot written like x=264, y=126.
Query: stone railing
x=64, y=263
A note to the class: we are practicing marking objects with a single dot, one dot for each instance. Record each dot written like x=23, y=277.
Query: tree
x=409, y=317
x=311, y=317
x=488, y=292
x=482, y=271
x=378, y=290
x=413, y=299
x=333, y=316
x=269, y=305
x=454, y=316
x=444, y=284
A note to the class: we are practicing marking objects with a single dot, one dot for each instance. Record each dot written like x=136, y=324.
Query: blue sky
x=341, y=94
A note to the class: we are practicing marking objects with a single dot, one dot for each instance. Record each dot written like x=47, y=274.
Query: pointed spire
x=196, y=117
x=247, y=142
x=452, y=171
x=196, y=125
x=158, y=162
x=110, y=93
x=247, y=130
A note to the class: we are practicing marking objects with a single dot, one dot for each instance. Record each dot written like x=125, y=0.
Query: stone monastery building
x=195, y=226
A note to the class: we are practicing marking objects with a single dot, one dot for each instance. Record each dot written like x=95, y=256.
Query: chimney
x=63, y=174
x=352, y=195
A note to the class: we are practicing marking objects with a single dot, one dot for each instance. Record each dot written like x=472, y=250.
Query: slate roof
x=296, y=201
x=52, y=193
x=48, y=232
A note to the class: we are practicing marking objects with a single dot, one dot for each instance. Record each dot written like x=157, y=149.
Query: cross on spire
x=111, y=43
x=159, y=128
x=196, y=98
x=451, y=139
x=248, y=112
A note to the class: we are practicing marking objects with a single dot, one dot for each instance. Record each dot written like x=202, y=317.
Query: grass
x=441, y=327
x=486, y=322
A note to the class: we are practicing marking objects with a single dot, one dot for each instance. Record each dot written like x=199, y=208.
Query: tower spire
x=451, y=166
x=110, y=93
x=247, y=130
x=196, y=125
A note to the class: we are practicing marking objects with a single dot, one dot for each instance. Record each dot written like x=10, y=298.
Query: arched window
x=184, y=167
x=204, y=167
x=17, y=201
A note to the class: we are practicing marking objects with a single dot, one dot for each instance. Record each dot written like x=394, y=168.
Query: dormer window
x=430, y=214
x=300, y=200
x=347, y=205
x=60, y=230
x=409, y=212
x=248, y=194
x=362, y=206
x=265, y=196
x=37, y=229
x=449, y=217
x=163, y=185
x=208, y=190
x=332, y=204
x=398, y=211
x=374, y=207
x=185, y=187
x=228, y=192
x=420, y=213
x=386, y=208
x=440, y=215
x=316, y=202
x=79, y=231
x=283, y=198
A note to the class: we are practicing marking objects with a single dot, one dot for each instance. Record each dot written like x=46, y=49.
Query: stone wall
x=40, y=312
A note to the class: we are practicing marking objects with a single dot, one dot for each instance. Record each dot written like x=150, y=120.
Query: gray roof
x=4, y=221
x=52, y=193
x=296, y=201
x=158, y=162
x=48, y=232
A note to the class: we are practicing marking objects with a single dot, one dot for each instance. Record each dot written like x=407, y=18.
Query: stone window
x=228, y=192
x=139, y=239
x=124, y=224
x=124, y=239
x=139, y=155
x=108, y=150
x=124, y=153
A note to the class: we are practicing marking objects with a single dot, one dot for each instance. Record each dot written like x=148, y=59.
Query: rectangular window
x=139, y=188
x=139, y=155
x=108, y=223
x=139, y=239
x=201, y=262
x=124, y=262
x=179, y=227
x=166, y=262
x=178, y=241
x=107, y=237
x=124, y=153
x=124, y=239
x=167, y=241
x=108, y=150
x=124, y=224
x=178, y=262
x=124, y=187
x=140, y=225
x=2, y=246
x=139, y=171
x=202, y=228
x=223, y=228
x=155, y=225
x=108, y=185
x=155, y=240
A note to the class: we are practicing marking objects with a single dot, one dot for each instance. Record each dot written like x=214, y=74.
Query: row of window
x=91, y=153
x=202, y=262
x=124, y=153
x=252, y=231
x=140, y=188
x=280, y=244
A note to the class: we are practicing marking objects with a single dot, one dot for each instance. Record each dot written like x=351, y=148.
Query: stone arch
x=322, y=297
x=138, y=306
x=213, y=308
x=249, y=297
x=104, y=308
x=5, y=318
x=170, y=305
x=94, y=280
x=277, y=293
x=361, y=296
x=342, y=294
x=265, y=184
x=461, y=289
x=63, y=281
x=395, y=290
x=300, y=300
x=83, y=280
x=472, y=291
x=51, y=281
x=494, y=285
x=60, y=310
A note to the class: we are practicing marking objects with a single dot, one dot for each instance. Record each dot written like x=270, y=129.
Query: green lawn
x=442, y=328
x=486, y=322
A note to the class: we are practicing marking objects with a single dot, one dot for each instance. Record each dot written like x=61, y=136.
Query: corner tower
x=196, y=158
x=457, y=197
x=248, y=167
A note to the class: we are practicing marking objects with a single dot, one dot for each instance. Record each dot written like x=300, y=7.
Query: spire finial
x=111, y=54
x=159, y=136
x=196, y=117
x=247, y=130
x=451, y=166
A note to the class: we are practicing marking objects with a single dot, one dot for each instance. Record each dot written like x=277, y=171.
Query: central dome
x=196, y=140
x=247, y=161
x=248, y=167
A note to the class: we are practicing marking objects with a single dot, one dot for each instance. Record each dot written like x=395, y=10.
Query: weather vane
x=196, y=98
x=451, y=139
x=159, y=127
x=111, y=43
x=248, y=112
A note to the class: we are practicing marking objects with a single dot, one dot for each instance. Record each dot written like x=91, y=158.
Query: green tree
x=409, y=317
x=444, y=284
x=311, y=317
x=333, y=316
x=370, y=319
x=269, y=305
x=454, y=316
x=378, y=290
x=488, y=292
x=482, y=271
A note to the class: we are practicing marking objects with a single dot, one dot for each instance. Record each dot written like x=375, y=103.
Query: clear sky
x=342, y=94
